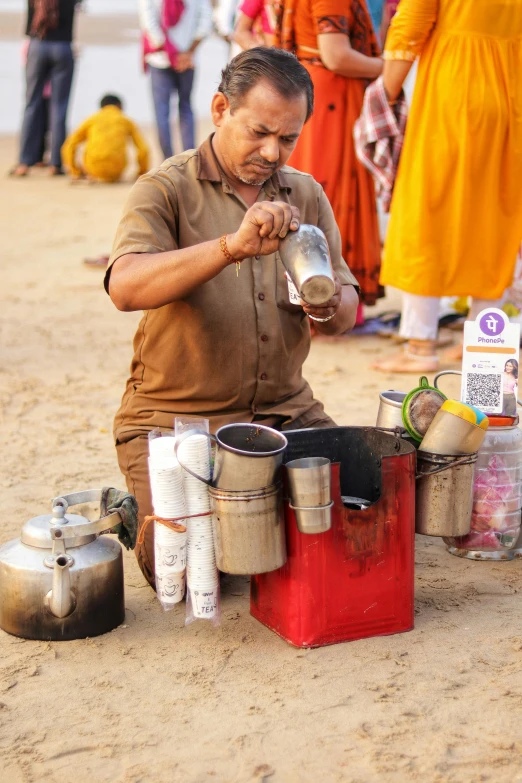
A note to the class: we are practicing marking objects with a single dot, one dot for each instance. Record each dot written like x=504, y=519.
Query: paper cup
x=170, y=587
x=205, y=602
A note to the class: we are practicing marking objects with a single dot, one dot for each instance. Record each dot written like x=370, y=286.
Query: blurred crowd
x=448, y=167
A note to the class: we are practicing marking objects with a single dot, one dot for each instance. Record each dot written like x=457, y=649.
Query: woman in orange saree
x=335, y=41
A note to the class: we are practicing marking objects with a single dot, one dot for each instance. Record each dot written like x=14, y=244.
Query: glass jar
x=497, y=496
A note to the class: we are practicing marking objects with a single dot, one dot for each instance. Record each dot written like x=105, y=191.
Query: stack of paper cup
x=194, y=453
x=168, y=502
x=166, y=483
x=202, y=573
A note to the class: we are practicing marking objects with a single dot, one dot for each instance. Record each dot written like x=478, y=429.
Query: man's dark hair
x=281, y=69
x=111, y=100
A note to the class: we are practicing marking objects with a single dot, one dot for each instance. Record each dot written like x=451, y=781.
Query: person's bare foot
x=417, y=356
x=56, y=171
x=21, y=170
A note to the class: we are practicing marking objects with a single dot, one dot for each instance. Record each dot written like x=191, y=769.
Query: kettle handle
x=97, y=527
x=180, y=440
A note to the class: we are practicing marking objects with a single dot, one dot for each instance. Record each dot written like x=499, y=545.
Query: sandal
x=413, y=359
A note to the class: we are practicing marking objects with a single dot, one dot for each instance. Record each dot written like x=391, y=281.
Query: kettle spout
x=61, y=600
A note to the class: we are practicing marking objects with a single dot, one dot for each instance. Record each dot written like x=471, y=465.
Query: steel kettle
x=62, y=579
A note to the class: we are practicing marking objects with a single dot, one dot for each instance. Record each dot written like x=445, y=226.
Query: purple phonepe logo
x=492, y=324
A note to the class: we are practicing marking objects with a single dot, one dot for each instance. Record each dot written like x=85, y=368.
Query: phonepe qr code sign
x=490, y=343
x=484, y=391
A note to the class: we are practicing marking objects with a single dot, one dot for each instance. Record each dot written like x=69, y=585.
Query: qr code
x=484, y=391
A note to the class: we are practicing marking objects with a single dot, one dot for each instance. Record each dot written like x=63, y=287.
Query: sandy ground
x=155, y=702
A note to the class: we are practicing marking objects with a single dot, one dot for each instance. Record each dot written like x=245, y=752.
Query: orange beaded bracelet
x=227, y=254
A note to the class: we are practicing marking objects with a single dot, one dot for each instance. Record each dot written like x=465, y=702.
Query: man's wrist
x=322, y=320
x=232, y=248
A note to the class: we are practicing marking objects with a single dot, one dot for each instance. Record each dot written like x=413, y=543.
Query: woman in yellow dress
x=456, y=214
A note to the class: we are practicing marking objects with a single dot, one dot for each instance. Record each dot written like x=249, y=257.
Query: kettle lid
x=37, y=531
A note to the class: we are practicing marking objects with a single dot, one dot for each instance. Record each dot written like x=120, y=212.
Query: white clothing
x=225, y=16
x=420, y=315
x=195, y=23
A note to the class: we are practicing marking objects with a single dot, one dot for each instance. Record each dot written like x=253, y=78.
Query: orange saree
x=325, y=148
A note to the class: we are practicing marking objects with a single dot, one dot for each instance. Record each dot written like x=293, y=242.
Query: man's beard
x=254, y=179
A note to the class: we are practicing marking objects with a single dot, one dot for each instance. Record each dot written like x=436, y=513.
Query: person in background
x=376, y=8
x=105, y=135
x=255, y=24
x=335, y=41
x=456, y=211
x=170, y=59
x=388, y=12
x=49, y=58
x=42, y=127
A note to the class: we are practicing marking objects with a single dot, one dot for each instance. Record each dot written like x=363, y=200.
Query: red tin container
x=356, y=580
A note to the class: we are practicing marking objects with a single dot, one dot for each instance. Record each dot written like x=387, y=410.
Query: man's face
x=258, y=137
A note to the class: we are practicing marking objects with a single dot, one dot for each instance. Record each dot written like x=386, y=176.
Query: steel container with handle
x=248, y=456
x=306, y=258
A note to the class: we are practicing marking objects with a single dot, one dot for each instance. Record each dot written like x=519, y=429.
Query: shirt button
x=264, y=376
x=264, y=338
x=261, y=296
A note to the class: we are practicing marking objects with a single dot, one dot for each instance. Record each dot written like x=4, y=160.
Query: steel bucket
x=389, y=414
x=248, y=456
x=306, y=258
x=444, y=494
x=249, y=533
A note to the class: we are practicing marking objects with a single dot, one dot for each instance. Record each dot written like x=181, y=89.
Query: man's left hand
x=328, y=309
x=184, y=62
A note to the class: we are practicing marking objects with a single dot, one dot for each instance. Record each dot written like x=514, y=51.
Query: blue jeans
x=164, y=82
x=46, y=60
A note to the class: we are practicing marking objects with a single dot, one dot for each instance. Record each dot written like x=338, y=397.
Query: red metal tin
x=354, y=581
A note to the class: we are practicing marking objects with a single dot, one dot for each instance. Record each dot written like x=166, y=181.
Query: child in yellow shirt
x=105, y=135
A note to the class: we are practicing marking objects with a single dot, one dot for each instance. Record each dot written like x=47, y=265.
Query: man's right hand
x=262, y=229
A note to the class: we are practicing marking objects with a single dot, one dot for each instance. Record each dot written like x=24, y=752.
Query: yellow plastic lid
x=466, y=412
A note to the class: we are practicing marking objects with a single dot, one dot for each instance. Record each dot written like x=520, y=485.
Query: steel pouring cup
x=306, y=258
x=313, y=520
x=309, y=482
x=389, y=414
x=248, y=456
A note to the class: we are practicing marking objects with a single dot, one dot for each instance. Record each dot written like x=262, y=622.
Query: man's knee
x=133, y=462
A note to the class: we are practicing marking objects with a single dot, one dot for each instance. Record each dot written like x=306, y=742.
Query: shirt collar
x=209, y=169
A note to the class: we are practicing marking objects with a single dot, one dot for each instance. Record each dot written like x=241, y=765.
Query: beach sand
x=155, y=702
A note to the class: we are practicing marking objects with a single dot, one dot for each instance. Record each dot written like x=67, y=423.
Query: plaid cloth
x=379, y=136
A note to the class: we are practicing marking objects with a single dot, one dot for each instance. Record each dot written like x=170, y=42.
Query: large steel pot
x=249, y=532
x=444, y=494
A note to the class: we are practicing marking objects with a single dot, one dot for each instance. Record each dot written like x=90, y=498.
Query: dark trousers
x=46, y=61
x=165, y=82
